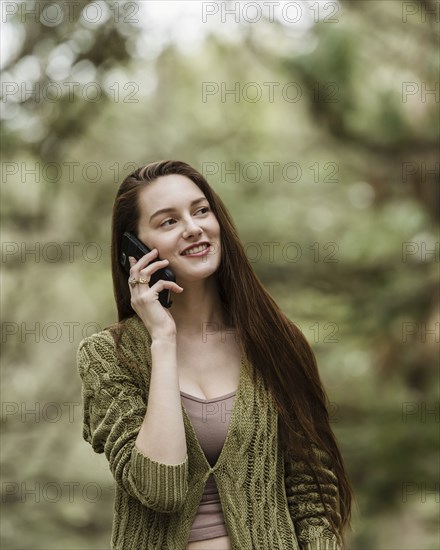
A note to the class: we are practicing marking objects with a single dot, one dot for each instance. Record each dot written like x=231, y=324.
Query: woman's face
x=187, y=221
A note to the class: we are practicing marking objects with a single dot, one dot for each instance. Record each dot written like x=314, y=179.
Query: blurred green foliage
x=337, y=181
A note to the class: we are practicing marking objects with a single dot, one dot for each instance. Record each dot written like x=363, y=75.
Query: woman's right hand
x=145, y=299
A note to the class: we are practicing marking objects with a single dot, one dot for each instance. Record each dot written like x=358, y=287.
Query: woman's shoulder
x=123, y=333
x=126, y=340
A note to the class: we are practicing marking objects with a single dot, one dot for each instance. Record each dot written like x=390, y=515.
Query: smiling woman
x=211, y=414
x=187, y=228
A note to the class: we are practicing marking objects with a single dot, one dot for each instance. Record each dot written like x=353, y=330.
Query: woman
x=211, y=413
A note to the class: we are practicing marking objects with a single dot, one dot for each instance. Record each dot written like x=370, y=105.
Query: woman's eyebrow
x=172, y=209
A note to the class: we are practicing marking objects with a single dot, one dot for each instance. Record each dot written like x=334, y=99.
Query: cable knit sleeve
x=312, y=527
x=114, y=408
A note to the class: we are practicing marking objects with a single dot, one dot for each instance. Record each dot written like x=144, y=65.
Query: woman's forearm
x=162, y=433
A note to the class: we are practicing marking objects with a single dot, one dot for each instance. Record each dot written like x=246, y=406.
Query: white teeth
x=196, y=249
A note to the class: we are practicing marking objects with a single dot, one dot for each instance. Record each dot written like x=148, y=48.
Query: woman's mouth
x=200, y=250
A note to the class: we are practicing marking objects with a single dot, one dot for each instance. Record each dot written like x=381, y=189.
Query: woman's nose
x=192, y=228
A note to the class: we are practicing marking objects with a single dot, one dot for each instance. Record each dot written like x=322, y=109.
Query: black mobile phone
x=132, y=246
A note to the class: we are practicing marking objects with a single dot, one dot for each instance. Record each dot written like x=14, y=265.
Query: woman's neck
x=198, y=309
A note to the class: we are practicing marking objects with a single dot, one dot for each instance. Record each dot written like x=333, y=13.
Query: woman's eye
x=202, y=210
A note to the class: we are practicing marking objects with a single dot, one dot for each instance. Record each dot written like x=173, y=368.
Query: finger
x=132, y=261
x=144, y=260
x=162, y=284
x=154, y=266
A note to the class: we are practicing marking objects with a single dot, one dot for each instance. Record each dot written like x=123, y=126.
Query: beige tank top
x=210, y=420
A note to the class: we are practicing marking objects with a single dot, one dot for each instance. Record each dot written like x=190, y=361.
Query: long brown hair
x=289, y=368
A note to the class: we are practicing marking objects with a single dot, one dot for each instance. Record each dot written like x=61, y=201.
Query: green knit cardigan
x=268, y=503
